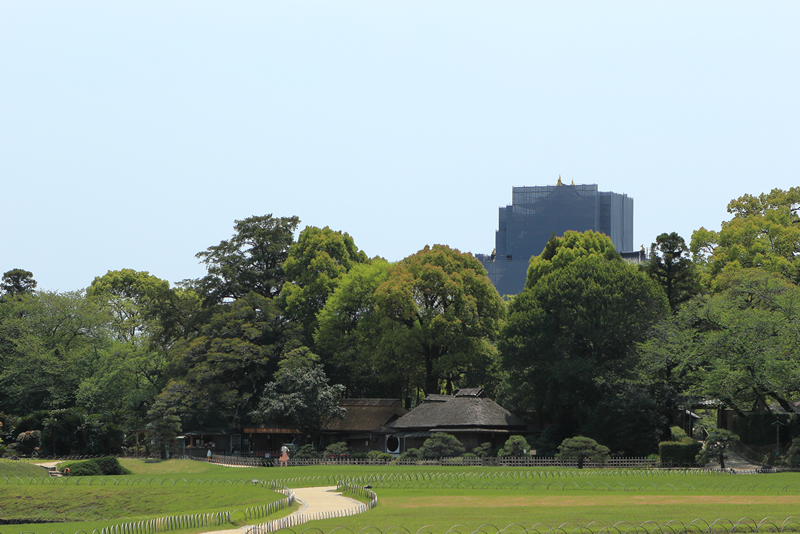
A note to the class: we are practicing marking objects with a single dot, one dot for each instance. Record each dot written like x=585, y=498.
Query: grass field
x=440, y=497
x=21, y=468
x=156, y=489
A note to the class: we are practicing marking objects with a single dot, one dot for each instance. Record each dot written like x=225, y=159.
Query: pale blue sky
x=133, y=134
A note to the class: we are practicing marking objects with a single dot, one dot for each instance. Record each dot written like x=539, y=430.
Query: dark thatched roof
x=365, y=415
x=468, y=409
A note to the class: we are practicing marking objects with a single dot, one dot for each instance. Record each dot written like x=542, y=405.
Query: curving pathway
x=313, y=500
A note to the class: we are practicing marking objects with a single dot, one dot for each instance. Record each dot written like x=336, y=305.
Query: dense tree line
x=281, y=327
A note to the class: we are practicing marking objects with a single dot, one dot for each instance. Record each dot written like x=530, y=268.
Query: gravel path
x=312, y=500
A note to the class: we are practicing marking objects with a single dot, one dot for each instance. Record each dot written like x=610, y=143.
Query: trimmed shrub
x=515, y=446
x=378, y=455
x=86, y=468
x=411, y=454
x=441, y=445
x=484, y=449
x=678, y=434
x=717, y=443
x=107, y=465
x=581, y=448
x=307, y=451
x=336, y=450
x=678, y=453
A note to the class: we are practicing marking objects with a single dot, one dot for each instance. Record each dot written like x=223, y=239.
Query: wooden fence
x=507, y=461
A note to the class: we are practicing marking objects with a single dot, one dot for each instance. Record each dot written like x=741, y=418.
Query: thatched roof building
x=469, y=415
x=362, y=427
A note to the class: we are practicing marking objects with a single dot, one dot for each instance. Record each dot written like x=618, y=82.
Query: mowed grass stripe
x=577, y=508
x=636, y=497
x=93, y=503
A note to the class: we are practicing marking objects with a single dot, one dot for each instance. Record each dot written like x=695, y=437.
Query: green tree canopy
x=764, y=232
x=569, y=340
x=739, y=345
x=442, y=445
x=445, y=314
x=219, y=374
x=51, y=342
x=17, y=282
x=131, y=372
x=561, y=251
x=581, y=448
x=313, y=269
x=350, y=332
x=128, y=295
x=515, y=446
x=671, y=266
x=251, y=260
x=300, y=397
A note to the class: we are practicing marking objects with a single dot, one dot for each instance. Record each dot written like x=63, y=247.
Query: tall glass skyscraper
x=537, y=212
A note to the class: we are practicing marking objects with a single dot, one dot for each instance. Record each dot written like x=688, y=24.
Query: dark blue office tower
x=537, y=212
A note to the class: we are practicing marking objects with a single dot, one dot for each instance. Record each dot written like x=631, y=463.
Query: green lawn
x=156, y=489
x=95, y=503
x=443, y=509
x=21, y=468
x=413, y=497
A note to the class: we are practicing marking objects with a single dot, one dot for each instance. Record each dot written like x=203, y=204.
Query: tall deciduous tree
x=220, y=373
x=445, y=311
x=739, y=345
x=764, y=232
x=130, y=373
x=350, y=332
x=51, y=342
x=570, y=336
x=313, y=268
x=129, y=295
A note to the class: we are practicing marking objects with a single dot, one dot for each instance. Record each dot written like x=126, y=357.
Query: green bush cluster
x=679, y=453
x=793, y=455
x=515, y=446
x=107, y=465
x=336, y=450
x=378, y=455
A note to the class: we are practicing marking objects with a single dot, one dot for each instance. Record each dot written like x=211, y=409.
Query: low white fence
x=299, y=518
x=186, y=521
x=508, y=461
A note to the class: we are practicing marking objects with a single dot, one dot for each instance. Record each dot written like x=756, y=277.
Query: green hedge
x=678, y=453
x=107, y=465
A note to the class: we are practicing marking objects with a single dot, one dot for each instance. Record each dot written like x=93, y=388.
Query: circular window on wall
x=393, y=444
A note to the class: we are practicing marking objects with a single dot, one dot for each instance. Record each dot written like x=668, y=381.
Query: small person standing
x=208, y=455
x=284, y=455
